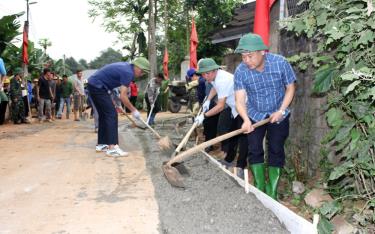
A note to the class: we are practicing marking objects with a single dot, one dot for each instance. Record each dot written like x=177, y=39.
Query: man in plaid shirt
x=264, y=86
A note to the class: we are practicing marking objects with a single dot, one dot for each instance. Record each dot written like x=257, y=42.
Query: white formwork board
x=294, y=223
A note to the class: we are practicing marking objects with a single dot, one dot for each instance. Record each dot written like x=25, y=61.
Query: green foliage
x=106, y=57
x=9, y=26
x=324, y=226
x=127, y=18
x=212, y=14
x=344, y=60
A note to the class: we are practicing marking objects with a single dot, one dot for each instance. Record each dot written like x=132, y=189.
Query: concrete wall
x=308, y=123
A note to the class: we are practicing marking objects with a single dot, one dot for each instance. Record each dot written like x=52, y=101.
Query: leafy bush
x=344, y=32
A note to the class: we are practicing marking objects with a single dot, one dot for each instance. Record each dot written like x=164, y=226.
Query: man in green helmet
x=264, y=86
x=100, y=86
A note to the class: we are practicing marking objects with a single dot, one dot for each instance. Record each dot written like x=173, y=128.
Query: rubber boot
x=258, y=173
x=273, y=176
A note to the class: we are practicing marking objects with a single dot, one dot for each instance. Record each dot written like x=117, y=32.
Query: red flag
x=262, y=19
x=193, y=46
x=25, y=56
x=165, y=64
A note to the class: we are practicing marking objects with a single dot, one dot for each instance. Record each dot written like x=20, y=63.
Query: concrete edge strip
x=293, y=222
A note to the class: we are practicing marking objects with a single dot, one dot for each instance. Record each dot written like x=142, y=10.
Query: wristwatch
x=282, y=112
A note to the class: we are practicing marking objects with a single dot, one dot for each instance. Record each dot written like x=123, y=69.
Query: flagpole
x=24, y=63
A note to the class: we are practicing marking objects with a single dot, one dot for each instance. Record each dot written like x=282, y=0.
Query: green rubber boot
x=258, y=173
x=273, y=176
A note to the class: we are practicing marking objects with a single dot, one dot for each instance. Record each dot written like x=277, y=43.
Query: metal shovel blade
x=173, y=176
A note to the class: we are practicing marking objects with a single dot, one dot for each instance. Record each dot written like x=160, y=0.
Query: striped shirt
x=265, y=90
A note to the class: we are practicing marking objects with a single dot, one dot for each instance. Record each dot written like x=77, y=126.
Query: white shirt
x=224, y=86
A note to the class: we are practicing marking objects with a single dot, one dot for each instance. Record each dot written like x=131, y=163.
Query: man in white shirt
x=223, y=86
x=78, y=96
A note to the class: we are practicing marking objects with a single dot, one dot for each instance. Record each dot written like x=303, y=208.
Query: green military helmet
x=249, y=43
x=142, y=63
x=206, y=65
x=18, y=71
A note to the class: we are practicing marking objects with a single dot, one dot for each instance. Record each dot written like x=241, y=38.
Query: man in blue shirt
x=99, y=87
x=264, y=86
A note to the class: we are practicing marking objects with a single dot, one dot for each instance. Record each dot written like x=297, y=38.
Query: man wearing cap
x=229, y=120
x=267, y=82
x=192, y=89
x=99, y=87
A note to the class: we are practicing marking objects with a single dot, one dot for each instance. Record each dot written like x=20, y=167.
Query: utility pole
x=25, y=40
x=64, y=64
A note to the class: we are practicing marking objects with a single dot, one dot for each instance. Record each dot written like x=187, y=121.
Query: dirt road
x=53, y=181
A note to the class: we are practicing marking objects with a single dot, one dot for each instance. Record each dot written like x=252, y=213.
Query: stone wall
x=307, y=123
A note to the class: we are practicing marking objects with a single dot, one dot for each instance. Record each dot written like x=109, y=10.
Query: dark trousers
x=277, y=133
x=108, y=119
x=26, y=105
x=210, y=125
x=133, y=100
x=3, y=108
x=156, y=107
x=225, y=124
x=238, y=142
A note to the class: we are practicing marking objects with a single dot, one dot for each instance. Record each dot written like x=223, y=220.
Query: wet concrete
x=211, y=202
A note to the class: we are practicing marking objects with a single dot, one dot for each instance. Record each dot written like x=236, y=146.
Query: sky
x=66, y=24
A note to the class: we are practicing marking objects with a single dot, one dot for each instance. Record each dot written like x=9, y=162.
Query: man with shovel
x=151, y=97
x=264, y=84
x=222, y=86
x=99, y=87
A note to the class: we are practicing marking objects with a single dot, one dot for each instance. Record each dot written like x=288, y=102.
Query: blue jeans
x=62, y=101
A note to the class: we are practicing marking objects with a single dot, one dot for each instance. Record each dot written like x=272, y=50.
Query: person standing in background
x=133, y=92
x=78, y=96
x=44, y=95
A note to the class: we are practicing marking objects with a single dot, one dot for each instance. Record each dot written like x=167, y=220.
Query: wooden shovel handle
x=206, y=144
x=149, y=127
x=186, y=138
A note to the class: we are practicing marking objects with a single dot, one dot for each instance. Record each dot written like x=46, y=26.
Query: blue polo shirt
x=112, y=76
x=265, y=90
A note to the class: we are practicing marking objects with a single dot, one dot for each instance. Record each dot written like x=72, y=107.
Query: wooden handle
x=186, y=138
x=149, y=127
x=206, y=144
x=130, y=119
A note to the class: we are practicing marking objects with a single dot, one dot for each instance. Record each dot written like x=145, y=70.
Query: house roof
x=242, y=23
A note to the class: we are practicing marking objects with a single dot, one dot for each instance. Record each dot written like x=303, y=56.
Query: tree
x=151, y=40
x=127, y=18
x=212, y=15
x=8, y=30
x=45, y=43
x=83, y=63
x=72, y=64
x=107, y=56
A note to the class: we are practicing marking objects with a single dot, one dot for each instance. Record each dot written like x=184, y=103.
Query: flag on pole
x=262, y=19
x=165, y=64
x=25, y=44
x=193, y=46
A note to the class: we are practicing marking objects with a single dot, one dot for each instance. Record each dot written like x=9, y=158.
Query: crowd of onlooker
x=45, y=98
